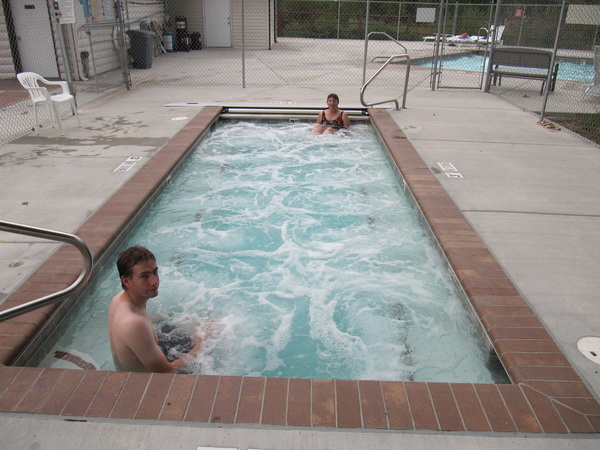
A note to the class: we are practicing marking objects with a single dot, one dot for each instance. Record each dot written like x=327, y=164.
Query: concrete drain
x=589, y=346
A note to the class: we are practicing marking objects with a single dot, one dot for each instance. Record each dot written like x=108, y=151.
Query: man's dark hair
x=130, y=257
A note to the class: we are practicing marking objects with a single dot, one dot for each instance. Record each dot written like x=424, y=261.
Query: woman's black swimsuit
x=336, y=123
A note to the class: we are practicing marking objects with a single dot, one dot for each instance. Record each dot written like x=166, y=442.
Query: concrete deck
x=529, y=192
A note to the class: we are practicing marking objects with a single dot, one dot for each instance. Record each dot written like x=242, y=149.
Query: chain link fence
x=103, y=46
x=572, y=30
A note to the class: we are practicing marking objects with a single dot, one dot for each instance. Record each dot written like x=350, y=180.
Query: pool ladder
x=52, y=235
x=388, y=60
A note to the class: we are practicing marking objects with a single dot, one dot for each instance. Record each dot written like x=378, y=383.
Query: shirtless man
x=133, y=340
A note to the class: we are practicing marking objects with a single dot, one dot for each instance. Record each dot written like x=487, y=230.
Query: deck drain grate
x=589, y=346
x=447, y=167
x=128, y=164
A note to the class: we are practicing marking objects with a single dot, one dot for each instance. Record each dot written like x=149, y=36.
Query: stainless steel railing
x=43, y=233
x=389, y=60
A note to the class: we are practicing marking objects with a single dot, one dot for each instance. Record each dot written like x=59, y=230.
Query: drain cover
x=589, y=347
x=447, y=167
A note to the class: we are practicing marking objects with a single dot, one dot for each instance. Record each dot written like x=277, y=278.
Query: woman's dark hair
x=333, y=96
x=130, y=257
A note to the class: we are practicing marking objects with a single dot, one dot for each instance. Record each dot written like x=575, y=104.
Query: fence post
x=243, y=48
x=366, y=42
x=368, y=10
x=339, y=18
x=455, y=19
x=521, y=25
x=492, y=35
x=66, y=59
x=123, y=57
x=436, y=51
x=553, y=59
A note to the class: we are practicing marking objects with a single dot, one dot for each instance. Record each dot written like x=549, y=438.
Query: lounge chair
x=480, y=40
x=432, y=38
x=594, y=87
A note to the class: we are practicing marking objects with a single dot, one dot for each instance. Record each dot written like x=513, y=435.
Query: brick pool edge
x=547, y=395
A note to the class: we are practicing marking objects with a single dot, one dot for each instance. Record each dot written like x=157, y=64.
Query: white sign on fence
x=583, y=14
x=426, y=15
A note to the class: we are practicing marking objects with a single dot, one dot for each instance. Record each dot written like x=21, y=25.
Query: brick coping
x=547, y=395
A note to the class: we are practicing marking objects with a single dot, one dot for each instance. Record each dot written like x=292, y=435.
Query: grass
x=586, y=125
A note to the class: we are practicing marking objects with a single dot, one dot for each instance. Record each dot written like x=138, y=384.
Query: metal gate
x=463, y=43
x=106, y=38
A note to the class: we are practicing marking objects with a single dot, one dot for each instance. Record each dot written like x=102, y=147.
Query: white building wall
x=256, y=24
x=7, y=67
x=101, y=30
x=256, y=20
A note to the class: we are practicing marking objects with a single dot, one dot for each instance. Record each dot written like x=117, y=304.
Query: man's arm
x=179, y=362
x=140, y=339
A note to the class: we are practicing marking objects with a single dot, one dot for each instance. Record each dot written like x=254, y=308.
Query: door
x=217, y=23
x=34, y=38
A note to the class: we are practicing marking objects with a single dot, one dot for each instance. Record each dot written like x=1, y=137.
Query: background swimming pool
x=582, y=70
x=307, y=258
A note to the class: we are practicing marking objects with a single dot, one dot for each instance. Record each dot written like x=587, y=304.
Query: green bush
x=319, y=19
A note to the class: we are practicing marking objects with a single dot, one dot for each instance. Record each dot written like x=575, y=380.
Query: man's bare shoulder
x=127, y=315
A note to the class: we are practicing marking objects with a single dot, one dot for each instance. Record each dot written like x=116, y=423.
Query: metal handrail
x=389, y=60
x=395, y=100
x=43, y=233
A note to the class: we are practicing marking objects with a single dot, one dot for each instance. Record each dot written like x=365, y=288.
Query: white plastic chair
x=40, y=95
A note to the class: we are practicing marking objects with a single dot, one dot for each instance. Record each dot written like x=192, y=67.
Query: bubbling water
x=300, y=256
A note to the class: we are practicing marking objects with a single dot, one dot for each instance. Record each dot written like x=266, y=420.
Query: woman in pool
x=333, y=118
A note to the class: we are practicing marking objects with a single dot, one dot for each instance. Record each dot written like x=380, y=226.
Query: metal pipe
x=488, y=70
x=437, y=44
x=243, y=48
x=43, y=233
x=553, y=60
x=123, y=57
x=66, y=60
x=395, y=100
x=339, y=18
x=368, y=4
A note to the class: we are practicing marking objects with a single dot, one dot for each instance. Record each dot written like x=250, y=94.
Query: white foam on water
x=308, y=259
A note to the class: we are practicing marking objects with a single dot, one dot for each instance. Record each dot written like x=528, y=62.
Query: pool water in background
x=582, y=70
x=306, y=256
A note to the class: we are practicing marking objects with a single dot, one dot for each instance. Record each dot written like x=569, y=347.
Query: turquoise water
x=304, y=256
x=582, y=70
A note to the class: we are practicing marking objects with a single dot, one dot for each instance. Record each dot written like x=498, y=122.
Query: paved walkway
x=531, y=194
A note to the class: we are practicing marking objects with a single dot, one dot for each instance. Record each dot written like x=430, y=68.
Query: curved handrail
x=389, y=60
x=395, y=100
x=43, y=233
x=387, y=36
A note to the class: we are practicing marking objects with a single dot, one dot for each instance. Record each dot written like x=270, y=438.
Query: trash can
x=141, y=49
x=196, y=41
